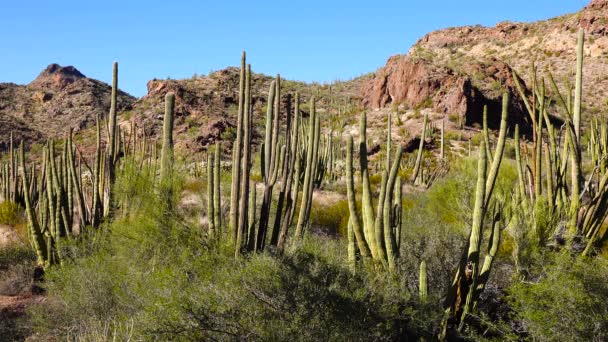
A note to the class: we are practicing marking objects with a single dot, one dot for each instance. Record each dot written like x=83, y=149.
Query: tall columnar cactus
x=423, y=289
x=245, y=166
x=77, y=184
x=210, y=188
x=352, y=257
x=269, y=160
x=379, y=232
x=420, y=150
x=312, y=144
x=166, y=156
x=290, y=182
x=442, y=150
x=35, y=231
x=217, y=196
x=112, y=141
x=352, y=207
x=388, y=212
x=500, y=146
x=578, y=90
x=97, y=179
x=486, y=133
x=469, y=268
x=237, y=155
x=366, y=199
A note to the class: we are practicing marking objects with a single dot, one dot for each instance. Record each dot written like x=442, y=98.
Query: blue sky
x=302, y=40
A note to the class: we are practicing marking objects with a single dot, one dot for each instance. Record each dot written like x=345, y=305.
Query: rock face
x=458, y=70
x=206, y=107
x=419, y=83
x=59, y=98
x=56, y=77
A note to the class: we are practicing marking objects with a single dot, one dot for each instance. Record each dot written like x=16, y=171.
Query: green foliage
x=567, y=302
x=149, y=275
x=330, y=218
x=229, y=134
x=10, y=213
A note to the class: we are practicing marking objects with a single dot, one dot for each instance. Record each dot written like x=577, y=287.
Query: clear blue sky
x=303, y=40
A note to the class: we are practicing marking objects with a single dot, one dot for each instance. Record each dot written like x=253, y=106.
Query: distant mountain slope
x=59, y=98
x=460, y=68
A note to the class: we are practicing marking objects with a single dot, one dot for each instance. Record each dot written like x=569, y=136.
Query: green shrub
x=149, y=275
x=567, y=302
x=10, y=213
x=330, y=218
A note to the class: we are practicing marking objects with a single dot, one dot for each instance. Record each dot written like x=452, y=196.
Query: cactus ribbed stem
x=578, y=90
x=352, y=258
x=420, y=150
x=366, y=198
x=442, y=150
x=245, y=166
x=500, y=146
x=237, y=155
x=34, y=227
x=210, y=188
x=166, y=156
x=389, y=236
x=422, y=284
x=475, y=236
x=352, y=206
x=217, y=196
x=308, y=171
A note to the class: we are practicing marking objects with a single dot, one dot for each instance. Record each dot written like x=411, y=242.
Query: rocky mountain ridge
x=58, y=99
x=458, y=69
x=452, y=73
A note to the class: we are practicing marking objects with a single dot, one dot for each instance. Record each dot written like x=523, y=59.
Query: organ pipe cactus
x=166, y=157
x=311, y=146
x=237, y=154
x=376, y=232
x=420, y=150
x=269, y=164
x=463, y=292
x=210, y=190
x=35, y=231
x=217, y=196
x=113, y=135
x=245, y=166
x=422, y=284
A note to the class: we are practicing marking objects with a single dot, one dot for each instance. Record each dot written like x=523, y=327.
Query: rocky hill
x=59, y=98
x=206, y=106
x=456, y=70
x=450, y=73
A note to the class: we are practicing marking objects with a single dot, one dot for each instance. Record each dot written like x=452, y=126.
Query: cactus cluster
x=376, y=235
x=466, y=287
x=554, y=148
x=64, y=195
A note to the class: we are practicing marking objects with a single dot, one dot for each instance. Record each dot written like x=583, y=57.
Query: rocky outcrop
x=58, y=99
x=56, y=78
x=416, y=83
x=205, y=107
